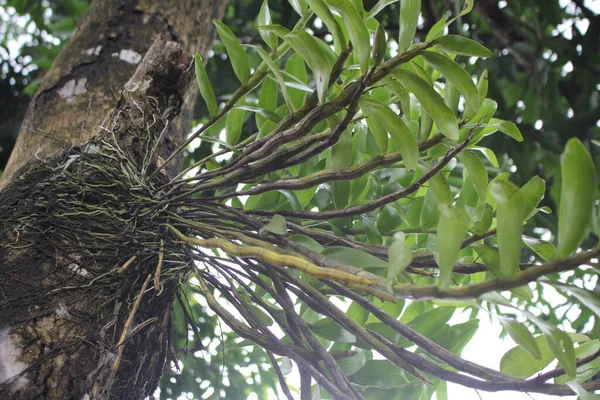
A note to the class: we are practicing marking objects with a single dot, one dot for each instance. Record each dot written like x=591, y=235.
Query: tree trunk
x=85, y=81
x=78, y=315
x=81, y=233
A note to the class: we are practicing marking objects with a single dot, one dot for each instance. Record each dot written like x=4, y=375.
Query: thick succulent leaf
x=205, y=86
x=454, y=74
x=409, y=18
x=314, y=54
x=577, y=196
x=463, y=46
x=235, y=51
x=431, y=101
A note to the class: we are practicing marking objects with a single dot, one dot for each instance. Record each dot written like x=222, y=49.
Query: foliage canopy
x=362, y=161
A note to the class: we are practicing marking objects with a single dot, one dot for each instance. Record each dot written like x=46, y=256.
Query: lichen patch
x=93, y=50
x=72, y=88
x=129, y=56
x=10, y=366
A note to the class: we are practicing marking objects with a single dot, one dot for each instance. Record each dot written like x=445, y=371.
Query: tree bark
x=85, y=80
x=81, y=231
x=80, y=239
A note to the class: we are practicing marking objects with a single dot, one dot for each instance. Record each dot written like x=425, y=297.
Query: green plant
x=366, y=180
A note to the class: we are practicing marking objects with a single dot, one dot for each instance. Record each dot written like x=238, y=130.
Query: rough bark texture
x=86, y=79
x=69, y=327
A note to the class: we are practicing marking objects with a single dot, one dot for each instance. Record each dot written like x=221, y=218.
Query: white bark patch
x=86, y=397
x=93, y=50
x=78, y=269
x=10, y=366
x=62, y=311
x=129, y=56
x=72, y=88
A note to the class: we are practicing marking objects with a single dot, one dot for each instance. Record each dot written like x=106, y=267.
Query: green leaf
x=307, y=242
x=477, y=171
x=561, y=346
x=482, y=86
x=327, y=329
x=461, y=45
x=400, y=255
x=381, y=4
x=587, y=370
x=456, y=337
x=577, y=196
x=359, y=188
x=409, y=18
x=292, y=200
x=299, y=6
x=429, y=322
x=205, y=87
x=436, y=30
x=431, y=101
x=235, y=51
x=491, y=258
x=340, y=193
x=379, y=373
x=271, y=64
x=451, y=96
x=276, y=225
x=388, y=219
x=425, y=125
x=276, y=29
x=295, y=67
x=429, y=214
x=508, y=128
x=206, y=138
x=489, y=154
x=519, y=363
x=522, y=336
x=441, y=392
x=350, y=365
x=307, y=46
x=354, y=24
x=588, y=298
x=354, y=257
x=392, y=84
x=261, y=315
x=264, y=18
x=480, y=119
x=581, y=392
x=451, y=231
x=455, y=74
x=438, y=184
x=484, y=219
x=533, y=192
x=358, y=313
x=235, y=121
x=397, y=129
x=265, y=114
x=323, y=12
x=510, y=215
x=373, y=234
x=441, y=25
x=378, y=132
x=379, y=45
x=546, y=250
x=342, y=152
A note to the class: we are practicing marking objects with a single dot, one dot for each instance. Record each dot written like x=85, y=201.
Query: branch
x=375, y=204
